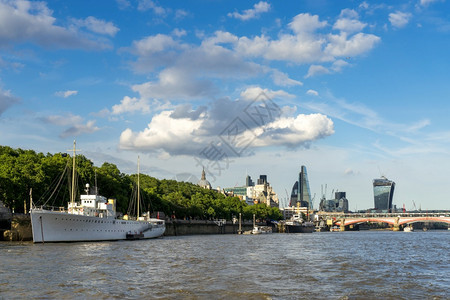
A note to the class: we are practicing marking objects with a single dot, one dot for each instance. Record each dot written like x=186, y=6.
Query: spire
x=203, y=182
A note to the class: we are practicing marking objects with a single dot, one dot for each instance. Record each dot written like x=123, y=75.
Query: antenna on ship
x=96, y=188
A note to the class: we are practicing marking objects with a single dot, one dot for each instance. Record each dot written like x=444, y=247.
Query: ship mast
x=138, y=198
x=72, y=195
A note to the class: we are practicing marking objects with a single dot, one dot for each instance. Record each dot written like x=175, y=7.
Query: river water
x=327, y=265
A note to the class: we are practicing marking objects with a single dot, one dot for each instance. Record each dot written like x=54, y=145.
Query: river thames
x=338, y=265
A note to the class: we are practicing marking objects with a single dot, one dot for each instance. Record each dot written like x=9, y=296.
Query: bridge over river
x=397, y=220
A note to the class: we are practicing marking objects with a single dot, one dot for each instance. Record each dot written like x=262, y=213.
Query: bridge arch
x=406, y=220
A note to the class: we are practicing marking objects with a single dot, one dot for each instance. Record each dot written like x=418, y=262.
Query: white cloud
x=131, y=105
x=349, y=25
x=349, y=14
x=258, y=9
x=154, y=44
x=350, y=172
x=312, y=93
x=175, y=83
x=428, y=2
x=185, y=131
x=31, y=21
x=65, y=120
x=253, y=93
x=144, y=5
x=364, y=5
x=315, y=70
x=282, y=79
x=348, y=22
x=306, y=23
x=308, y=46
x=399, y=19
x=338, y=65
x=123, y=4
x=97, y=26
x=174, y=135
x=180, y=14
x=155, y=51
x=189, y=71
x=79, y=129
x=293, y=132
x=341, y=45
x=7, y=100
x=66, y=94
x=179, y=32
x=73, y=122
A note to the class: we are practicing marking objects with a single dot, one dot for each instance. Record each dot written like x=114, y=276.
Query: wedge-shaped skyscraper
x=383, y=192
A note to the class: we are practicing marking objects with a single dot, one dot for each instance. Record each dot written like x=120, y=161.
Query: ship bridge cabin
x=94, y=206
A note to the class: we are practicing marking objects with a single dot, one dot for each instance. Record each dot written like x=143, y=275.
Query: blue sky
x=353, y=90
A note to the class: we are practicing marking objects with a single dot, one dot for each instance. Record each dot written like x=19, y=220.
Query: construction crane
x=414, y=203
x=287, y=198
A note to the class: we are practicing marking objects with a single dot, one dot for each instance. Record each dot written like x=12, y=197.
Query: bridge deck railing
x=382, y=215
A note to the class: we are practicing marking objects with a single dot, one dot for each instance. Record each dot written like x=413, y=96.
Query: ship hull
x=54, y=226
x=299, y=229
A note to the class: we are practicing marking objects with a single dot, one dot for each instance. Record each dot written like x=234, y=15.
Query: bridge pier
x=396, y=224
x=342, y=227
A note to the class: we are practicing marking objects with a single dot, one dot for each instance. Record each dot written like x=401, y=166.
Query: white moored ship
x=92, y=219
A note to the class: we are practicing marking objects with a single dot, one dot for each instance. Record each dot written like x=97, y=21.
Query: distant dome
x=203, y=182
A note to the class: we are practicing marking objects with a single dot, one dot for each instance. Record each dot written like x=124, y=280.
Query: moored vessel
x=297, y=225
x=261, y=229
x=408, y=228
x=93, y=218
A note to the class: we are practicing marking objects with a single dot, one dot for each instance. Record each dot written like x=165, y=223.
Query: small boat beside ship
x=261, y=229
x=92, y=218
x=408, y=228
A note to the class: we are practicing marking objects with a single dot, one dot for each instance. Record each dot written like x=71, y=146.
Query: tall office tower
x=300, y=190
x=262, y=179
x=249, y=181
x=383, y=192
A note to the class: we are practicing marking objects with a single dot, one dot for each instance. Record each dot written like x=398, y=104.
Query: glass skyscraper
x=300, y=190
x=383, y=192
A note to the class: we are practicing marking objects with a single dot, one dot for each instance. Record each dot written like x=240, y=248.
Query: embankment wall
x=190, y=227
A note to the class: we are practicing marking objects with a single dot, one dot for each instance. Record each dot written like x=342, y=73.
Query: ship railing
x=51, y=208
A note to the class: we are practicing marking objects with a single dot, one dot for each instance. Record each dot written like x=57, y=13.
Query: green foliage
x=22, y=170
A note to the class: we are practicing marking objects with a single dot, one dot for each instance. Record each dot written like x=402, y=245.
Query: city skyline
x=353, y=90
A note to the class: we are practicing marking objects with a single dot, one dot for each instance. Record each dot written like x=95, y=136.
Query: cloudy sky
x=353, y=90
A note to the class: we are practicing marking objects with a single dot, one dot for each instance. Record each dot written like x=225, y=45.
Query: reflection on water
x=348, y=265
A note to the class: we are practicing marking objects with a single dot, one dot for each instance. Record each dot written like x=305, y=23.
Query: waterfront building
x=252, y=193
x=300, y=191
x=338, y=204
x=289, y=212
x=264, y=193
x=383, y=192
x=203, y=182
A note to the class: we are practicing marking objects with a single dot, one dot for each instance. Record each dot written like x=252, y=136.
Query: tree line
x=22, y=171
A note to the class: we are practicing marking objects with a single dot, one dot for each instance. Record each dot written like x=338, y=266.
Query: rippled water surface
x=339, y=265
